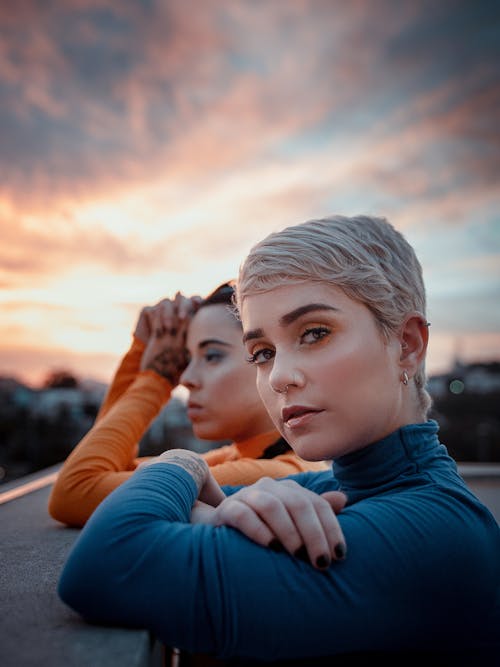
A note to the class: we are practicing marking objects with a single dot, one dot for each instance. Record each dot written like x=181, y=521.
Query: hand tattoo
x=170, y=364
x=194, y=465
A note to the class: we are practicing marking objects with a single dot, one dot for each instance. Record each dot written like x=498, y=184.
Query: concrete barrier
x=38, y=630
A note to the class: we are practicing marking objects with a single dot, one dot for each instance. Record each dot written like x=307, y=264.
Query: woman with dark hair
x=196, y=343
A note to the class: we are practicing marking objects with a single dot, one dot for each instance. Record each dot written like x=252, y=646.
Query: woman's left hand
x=284, y=516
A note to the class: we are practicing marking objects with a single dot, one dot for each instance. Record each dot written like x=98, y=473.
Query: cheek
x=234, y=377
x=267, y=395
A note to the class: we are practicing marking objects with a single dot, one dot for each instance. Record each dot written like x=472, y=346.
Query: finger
x=332, y=531
x=184, y=307
x=306, y=511
x=157, y=325
x=195, y=302
x=203, y=513
x=167, y=310
x=272, y=511
x=314, y=519
x=232, y=512
x=143, y=325
x=336, y=499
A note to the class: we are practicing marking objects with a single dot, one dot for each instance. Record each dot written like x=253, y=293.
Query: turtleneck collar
x=398, y=454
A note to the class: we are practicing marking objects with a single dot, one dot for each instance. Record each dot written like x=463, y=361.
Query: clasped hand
x=162, y=328
x=283, y=516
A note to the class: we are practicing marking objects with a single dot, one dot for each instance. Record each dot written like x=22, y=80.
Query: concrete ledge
x=483, y=479
x=36, y=628
x=473, y=470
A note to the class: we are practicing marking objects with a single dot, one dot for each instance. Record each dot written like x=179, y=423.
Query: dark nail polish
x=276, y=545
x=302, y=554
x=322, y=562
x=340, y=551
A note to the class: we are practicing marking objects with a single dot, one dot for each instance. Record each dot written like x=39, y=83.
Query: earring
x=404, y=378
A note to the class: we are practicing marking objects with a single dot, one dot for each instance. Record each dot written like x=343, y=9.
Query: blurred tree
x=60, y=379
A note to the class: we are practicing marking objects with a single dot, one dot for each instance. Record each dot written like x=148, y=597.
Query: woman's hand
x=284, y=516
x=163, y=328
x=168, y=310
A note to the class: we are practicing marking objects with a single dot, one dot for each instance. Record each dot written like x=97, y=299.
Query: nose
x=189, y=378
x=284, y=374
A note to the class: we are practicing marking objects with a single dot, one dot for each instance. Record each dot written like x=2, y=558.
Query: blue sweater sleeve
x=413, y=566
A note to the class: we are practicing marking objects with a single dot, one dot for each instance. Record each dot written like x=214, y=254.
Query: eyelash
x=213, y=355
x=318, y=334
x=254, y=358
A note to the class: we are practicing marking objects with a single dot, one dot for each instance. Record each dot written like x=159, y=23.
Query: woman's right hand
x=167, y=310
x=163, y=329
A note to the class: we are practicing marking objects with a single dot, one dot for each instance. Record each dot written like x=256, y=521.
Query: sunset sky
x=145, y=146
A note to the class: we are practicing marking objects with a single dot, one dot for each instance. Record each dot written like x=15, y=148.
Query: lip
x=295, y=416
x=193, y=409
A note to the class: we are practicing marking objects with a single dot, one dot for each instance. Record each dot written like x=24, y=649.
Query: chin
x=310, y=452
x=206, y=432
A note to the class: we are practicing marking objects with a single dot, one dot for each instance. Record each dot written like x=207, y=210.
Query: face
x=223, y=398
x=343, y=377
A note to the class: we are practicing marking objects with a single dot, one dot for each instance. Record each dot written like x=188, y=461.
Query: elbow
x=76, y=595
x=63, y=510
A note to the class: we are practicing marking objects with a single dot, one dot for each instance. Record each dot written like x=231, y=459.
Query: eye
x=260, y=356
x=314, y=335
x=213, y=356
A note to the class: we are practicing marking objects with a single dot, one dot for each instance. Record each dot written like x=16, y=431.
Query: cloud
x=147, y=144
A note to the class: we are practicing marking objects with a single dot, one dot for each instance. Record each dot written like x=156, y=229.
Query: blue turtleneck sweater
x=421, y=572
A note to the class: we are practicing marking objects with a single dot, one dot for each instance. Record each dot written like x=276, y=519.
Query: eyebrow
x=289, y=318
x=212, y=341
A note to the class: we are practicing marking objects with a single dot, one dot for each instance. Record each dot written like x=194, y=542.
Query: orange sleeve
x=215, y=457
x=247, y=471
x=105, y=457
x=124, y=376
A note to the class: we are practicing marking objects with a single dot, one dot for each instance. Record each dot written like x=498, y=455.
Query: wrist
x=189, y=461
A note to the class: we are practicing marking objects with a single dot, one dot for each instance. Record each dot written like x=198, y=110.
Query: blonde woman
x=334, y=320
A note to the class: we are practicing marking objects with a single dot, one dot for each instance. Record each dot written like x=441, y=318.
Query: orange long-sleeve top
x=108, y=453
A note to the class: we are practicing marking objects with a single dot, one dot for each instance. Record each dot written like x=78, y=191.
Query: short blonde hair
x=364, y=256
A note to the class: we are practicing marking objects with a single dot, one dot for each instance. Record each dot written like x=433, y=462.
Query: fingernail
x=340, y=551
x=276, y=545
x=302, y=554
x=322, y=562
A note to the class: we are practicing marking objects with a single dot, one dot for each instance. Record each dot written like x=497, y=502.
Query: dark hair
x=221, y=295
x=224, y=295
x=281, y=446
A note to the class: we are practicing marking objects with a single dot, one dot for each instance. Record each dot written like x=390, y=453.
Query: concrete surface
x=36, y=628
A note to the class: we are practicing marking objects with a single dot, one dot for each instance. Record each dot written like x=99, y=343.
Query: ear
x=414, y=337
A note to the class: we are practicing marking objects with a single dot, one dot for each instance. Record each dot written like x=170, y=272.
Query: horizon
x=179, y=390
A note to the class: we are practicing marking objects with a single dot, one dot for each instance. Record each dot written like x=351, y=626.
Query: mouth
x=298, y=415
x=193, y=409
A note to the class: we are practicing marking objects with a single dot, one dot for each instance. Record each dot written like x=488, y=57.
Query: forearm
x=123, y=377
x=105, y=457
x=208, y=490
x=139, y=562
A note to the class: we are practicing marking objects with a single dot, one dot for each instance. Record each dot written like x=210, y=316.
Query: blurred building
x=40, y=427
